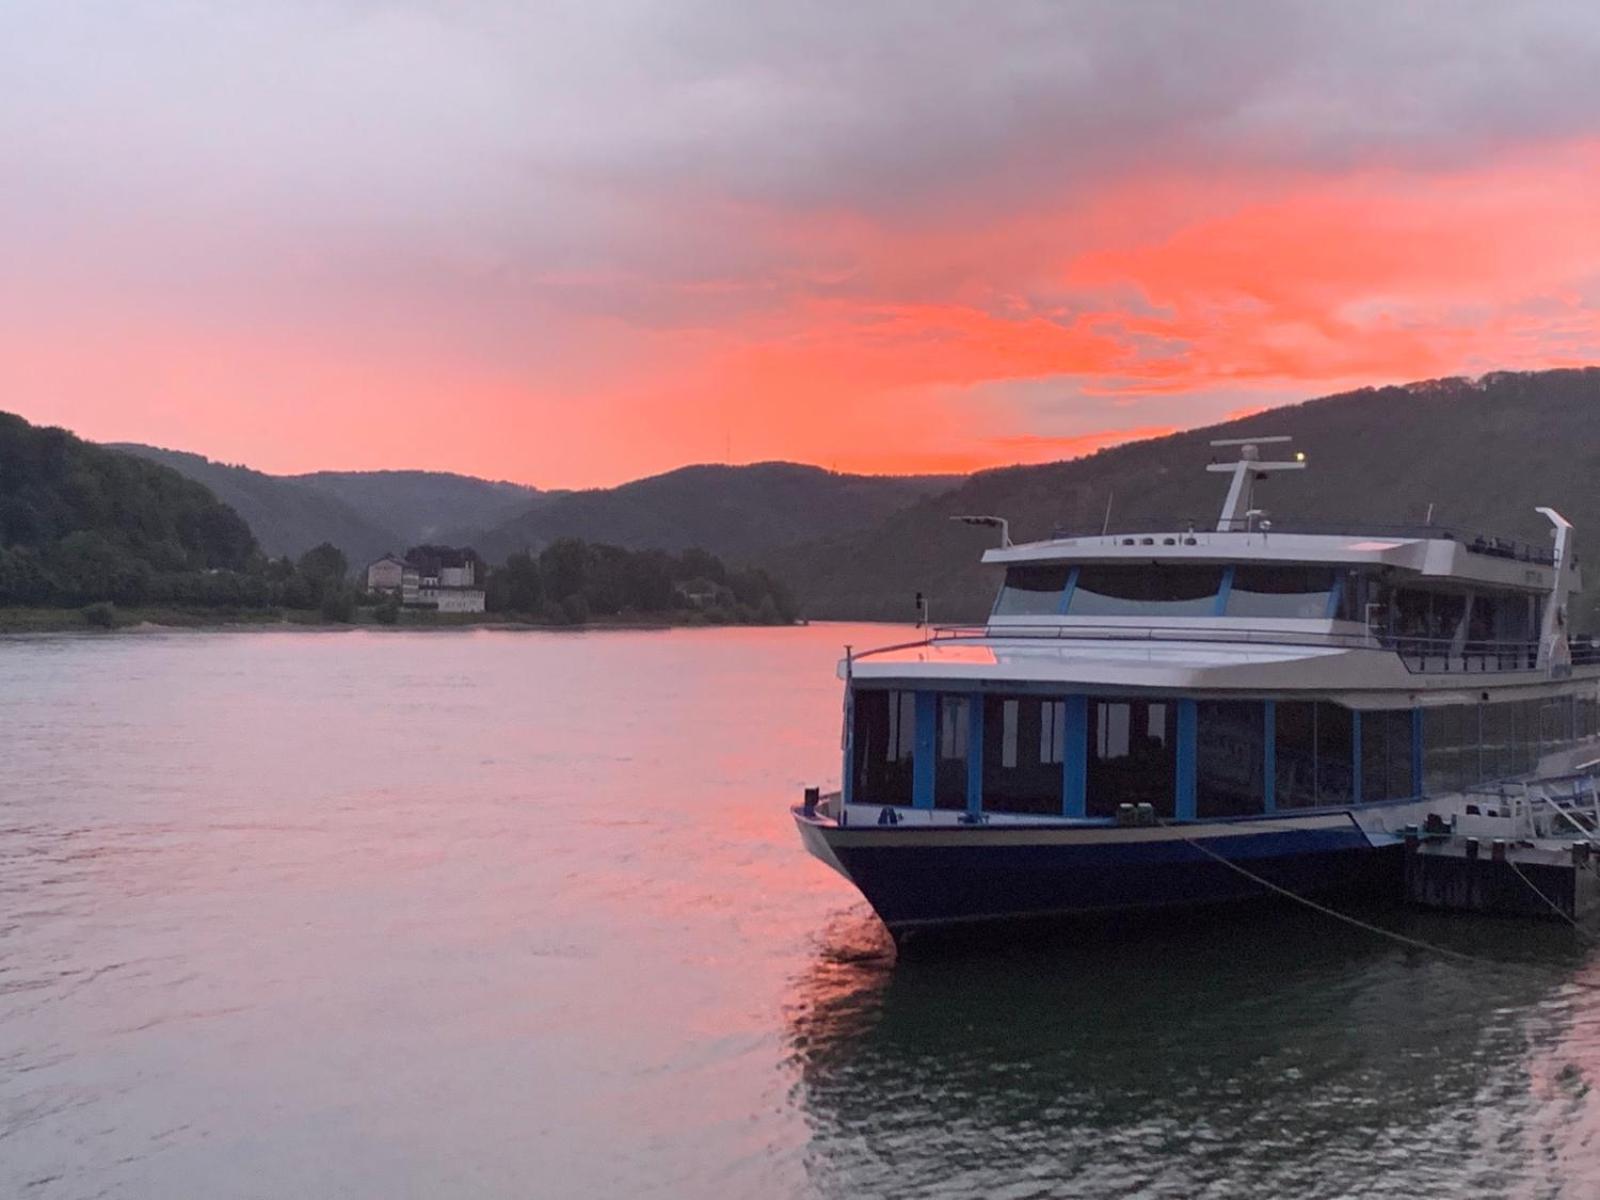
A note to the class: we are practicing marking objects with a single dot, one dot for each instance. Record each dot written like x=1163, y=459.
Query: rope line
x=1554, y=907
x=1415, y=943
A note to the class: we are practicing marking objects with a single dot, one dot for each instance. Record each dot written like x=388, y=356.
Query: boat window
x=1555, y=721
x=1449, y=748
x=1587, y=722
x=1295, y=752
x=1017, y=776
x=950, y=773
x=1386, y=755
x=1467, y=744
x=1336, y=766
x=883, y=736
x=1314, y=751
x=902, y=726
x=1145, y=589
x=1032, y=591
x=1300, y=592
x=1132, y=756
x=1230, y=757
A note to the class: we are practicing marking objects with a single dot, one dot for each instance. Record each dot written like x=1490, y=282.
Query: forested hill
x=287, y=518
x=79, y=522
x=738, y=512
x=1484, y=453
x=423, y=506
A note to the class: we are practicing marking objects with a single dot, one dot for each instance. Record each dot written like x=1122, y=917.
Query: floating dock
x=1543, y=879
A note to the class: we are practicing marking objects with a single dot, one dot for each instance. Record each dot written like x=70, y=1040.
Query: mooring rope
x=1554, y=907
x=1415, y=943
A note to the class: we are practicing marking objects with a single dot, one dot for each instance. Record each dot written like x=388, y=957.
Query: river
x=493, y=914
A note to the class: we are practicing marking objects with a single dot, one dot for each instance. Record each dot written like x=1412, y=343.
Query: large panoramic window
x=1300, y=592
x=883, y=743
x=1230, y=756
x=1145, y=590
x=1018, y=737
x=1336, y=767
x=1449, y=748
x=1386, y=765
x=1032, y=591
x=1132, y=755
x=1314, y=752
x=1467, y=744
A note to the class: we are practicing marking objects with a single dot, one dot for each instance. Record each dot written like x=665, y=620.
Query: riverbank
x=110, y=619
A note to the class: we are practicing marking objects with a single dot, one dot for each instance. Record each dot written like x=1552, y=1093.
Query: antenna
x=999, y=523
x=1246, y=472
x=1106, y=524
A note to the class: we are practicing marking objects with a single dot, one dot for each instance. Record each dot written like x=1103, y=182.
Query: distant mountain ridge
x=286, y=517
x=732, y=511
x=1482, y=452
x=423, y=506
x=736, y=512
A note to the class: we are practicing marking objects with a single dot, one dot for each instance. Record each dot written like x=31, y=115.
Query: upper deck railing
x=1180, y=529
x=1419, y=655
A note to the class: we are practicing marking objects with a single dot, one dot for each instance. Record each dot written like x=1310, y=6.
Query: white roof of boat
x=1111, y=665
x=1442, y=556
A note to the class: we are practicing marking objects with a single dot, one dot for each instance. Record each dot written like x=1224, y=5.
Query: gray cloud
x=321, y=155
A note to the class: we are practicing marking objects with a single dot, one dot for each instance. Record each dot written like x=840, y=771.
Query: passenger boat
x=1185, y=717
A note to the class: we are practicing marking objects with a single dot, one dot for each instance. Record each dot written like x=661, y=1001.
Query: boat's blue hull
x=929, y=877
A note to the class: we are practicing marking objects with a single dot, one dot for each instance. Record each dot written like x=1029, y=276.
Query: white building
x=453, y=589
x=388, y=574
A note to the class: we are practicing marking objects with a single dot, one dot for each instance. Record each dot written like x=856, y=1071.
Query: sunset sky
x=574, y=244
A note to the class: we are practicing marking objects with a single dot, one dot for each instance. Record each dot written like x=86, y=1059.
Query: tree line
x=82, y=526
x=571, y=582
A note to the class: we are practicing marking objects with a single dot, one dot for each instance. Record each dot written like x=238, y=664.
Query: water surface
x=522, y=915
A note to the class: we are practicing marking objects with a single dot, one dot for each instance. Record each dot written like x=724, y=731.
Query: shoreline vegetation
x=114, y=619
x=94, y=539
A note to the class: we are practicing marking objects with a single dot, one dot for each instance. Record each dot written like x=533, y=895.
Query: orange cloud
x=951, y=342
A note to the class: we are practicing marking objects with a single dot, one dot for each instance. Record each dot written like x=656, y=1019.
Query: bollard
x=809, y=805
x=1472, y=849
x=1497, y=850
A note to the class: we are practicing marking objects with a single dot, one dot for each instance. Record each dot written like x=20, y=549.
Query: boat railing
x=1144, y=532
x=1420, y=655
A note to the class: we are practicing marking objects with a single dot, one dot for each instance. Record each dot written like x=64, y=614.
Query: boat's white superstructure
x=1297, y=696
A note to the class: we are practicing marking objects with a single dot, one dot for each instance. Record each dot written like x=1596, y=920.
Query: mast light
x=1246, y=472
